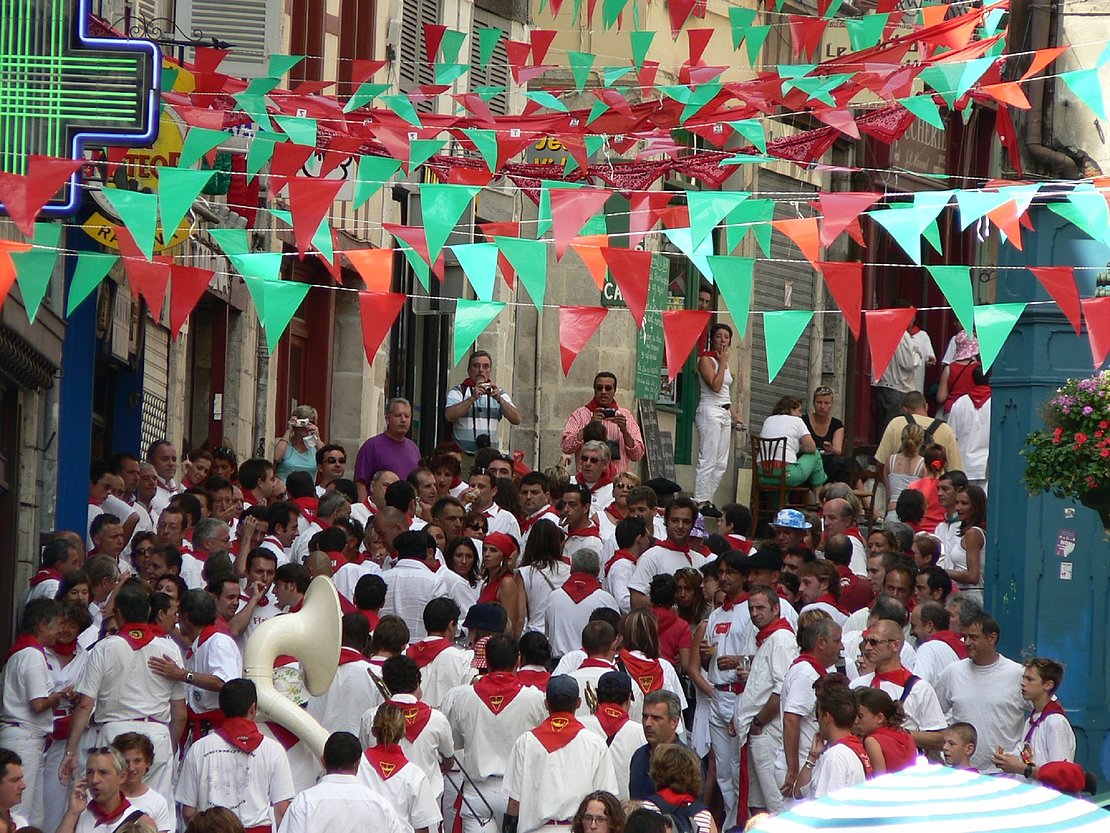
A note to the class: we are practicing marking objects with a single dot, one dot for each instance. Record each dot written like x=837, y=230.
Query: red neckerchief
x=812, y=662
x=372, y=616
x=603, y=481
x=241, y=733
x=584, y=532
x=416, y=715
x=297, y=607
x=534, y=678
x=45, y=574
x=139, y=635
x=899, y=677
x=1052, y=707
x=853, y=532
x=675, y=799
x=619, y=555
x=593, y=405
x=24, y=641
x=219, y=626
x=727, y=606
x=422, y=653
x=597, y=662
x=557, y=731
x=265, y=600
x=337, y=559
x=346, y=605
x=387, y=760
x=856, y=745
x=615, y=511
x=979, y=395
x=612, y=719
x=107, y=818
x=830, y=599
x=952, y=640
x=779, y=624
x=64, y=649
x=646, y=673
x=673, y=547
x=349, y=655
x=199, y=555
x=286, y=738
x=580, y=585
x=740, y=543
x=248, y=496
x=497, y=689
x=530, y=521
x=282, y=660
x=491, y=588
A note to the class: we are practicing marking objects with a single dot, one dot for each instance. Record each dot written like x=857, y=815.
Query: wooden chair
x=770, y=491
x=864, y=480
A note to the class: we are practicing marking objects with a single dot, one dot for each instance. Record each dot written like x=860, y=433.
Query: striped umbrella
x=928, y=798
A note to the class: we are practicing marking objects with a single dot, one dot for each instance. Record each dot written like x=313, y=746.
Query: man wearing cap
x=790, y=527
x=553, y=767
x=442, y=665
x=668, y=556
x=487, y=719
x=610, y=720
x=620, y=425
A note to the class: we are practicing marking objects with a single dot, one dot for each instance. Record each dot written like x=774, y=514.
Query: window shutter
x=252, y=27
x=415, y=70
x=496, y=72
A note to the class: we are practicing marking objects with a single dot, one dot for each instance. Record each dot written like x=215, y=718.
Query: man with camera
x=621, y=430
x=476, y=405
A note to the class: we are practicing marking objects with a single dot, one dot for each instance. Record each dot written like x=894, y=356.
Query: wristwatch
x=1028, y=771
x=189, y=677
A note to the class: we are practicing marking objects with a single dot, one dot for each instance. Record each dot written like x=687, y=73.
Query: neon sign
x=62, y=89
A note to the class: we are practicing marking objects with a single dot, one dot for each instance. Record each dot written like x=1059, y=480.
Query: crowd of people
x=521, y=650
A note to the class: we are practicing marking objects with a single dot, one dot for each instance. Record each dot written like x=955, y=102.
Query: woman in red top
x=936, y=464
x=499, y=584
x=879, y=722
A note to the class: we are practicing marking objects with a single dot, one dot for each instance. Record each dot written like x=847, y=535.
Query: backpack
x=683, y=816
x=929, y=431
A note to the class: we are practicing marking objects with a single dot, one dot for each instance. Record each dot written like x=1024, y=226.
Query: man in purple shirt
x=390, y=449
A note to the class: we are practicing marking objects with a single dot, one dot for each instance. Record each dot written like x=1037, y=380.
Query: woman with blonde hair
x=387, y=771
x=295, y=450
x=616, y=511
x=904, y=466
x=676, y=773
x=640, y=658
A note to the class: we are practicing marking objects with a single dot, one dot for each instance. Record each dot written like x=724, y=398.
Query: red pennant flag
x=379, y=311
x=288, y=158
x=806, y=235
x=679, y=12
x=589, y=248
x=644, y=210
x=631, y=270
x=840, y=210
x=845, y=282
x=200, y=116
x=541, y=42
x=7, y=267
x=842, y=120
x=502, y=229
x=362, y=69
x=806, y=32
x=310, y=200
x=577, y=326
x=956, y=35
x=646, y=76
x=148, y=279
x=517, y=52
x=1096, y=312
x=23, y=196
x=1059, y=282
x=885, y=328
x=187, y=286
x=570, y=209
x=1008, y=93
x=681, y=330
x=433, y=37
x=375, y=266
x=307, y=88
x=699, y=39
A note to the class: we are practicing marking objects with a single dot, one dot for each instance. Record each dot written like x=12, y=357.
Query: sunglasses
x=332, y=460
x=591, y=459
x=871, y=641
x=143, y=550
x=604, y=387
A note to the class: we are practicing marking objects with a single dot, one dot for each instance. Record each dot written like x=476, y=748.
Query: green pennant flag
x=278, y=65
x=752, y=130
x=1084, y=83
x=753, y=41
x=254, y=105
x=753, y=216
x=905, y=226
x=945, y=79
x=781, y=331
x=34, y=268
x=599, y=109
x=641, y=42
x=488, y=39
x=233, y=241
x=993, y=325
x=748, y=159
x=708, y=208
x=367, y=91
x=733, y=277
x=260, y=152
x=739, y=21
x=91, y=268
x=610, y=11
x=546, y=99
x=833, y=8
x=281, y=300
x=198, y=141
x=529, y=259
x=321, y=239
x=973, y=71
x=449, y=73
x=489, y=92
x=975, y=205
x=479, y=263
x=450, y=45
x=594, y=143
x=955, y=283
x=301, y=131
x=177, y=188
x=1087, y=210
x=615, y=74
x=373, y=173
x=931, y=235
x=991, y=21
x=442, y=205
x=697, y=255
x=263, y=266
x=402, y=106
x=865, y=32
x=419, y=267
x=925, y=108
x=421, y=150
x=471, y=320
x=700, y=96
x=581, y=63
x=139, y=212
x=486, y=143
x=261, y=85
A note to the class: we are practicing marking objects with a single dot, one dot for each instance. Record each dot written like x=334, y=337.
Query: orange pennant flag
x=375, y=266
x=805, y=233
x=588, y=247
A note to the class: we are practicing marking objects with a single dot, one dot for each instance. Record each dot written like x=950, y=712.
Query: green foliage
x=1070, y=456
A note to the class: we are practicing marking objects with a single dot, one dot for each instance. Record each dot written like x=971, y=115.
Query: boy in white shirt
x=1047, y=735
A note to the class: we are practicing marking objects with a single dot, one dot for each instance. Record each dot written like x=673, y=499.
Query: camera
x=608, y=413
x=487, y=389
x=301, y=423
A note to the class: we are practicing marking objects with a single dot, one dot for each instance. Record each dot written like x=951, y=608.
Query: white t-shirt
x=350, y=694
x=769, y=666
x=799, y=698
x=485, y=739
x=852, y=652
x=657, y=560
x=340, y=802
x=933, y=656
x=410, y=585
x=26, y=677
x=347, y=576
x=218, y=656
x=431, y=747
x=87, y=822
x=973, y=432
x=217, y=774
x=789, y=426
x=622, y=747
x=122, y=684
x=565, y=619
x=539, y=584
x=838, y=767
x=1052, y=740
x=154, y=805
x=923, y=346
x=407, y=790
x=989, y=698
x=923, y=712
x=450, y=668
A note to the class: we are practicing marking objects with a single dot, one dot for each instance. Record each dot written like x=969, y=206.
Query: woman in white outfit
x=966, y=559
x=715, y=418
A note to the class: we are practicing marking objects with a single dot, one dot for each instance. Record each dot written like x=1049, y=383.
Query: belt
x=734, y=688
x=261, y=828
x=133, y=720
x=561, y=823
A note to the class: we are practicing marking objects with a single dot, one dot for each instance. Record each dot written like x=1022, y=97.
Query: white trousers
x=55, y=795
x=160, y=776
x=494, y=793
x=764, y=776
x=726, y=753
x=29, y=748
x=714, y=439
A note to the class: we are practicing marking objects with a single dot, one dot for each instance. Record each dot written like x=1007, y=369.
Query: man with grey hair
x=570, y=606
x=594, y=471
x=662, y=712
x=333, y=507
x=391, y=449
x=821, y=646
x=476, y=405
x=210, y=537
x=369, y=506
x=838, y=516
x=963, y=610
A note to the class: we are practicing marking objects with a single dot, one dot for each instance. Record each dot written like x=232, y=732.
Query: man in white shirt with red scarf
x=442, y=664
x=577, y=523
x=838, y=517
x=821, y=646
x=670, y=556
x=569, y=607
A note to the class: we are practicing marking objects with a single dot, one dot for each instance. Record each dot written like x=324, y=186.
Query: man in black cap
x=553, y=767
x=610, y=719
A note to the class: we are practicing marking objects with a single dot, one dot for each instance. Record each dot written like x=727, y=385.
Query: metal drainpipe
x=262, y=384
